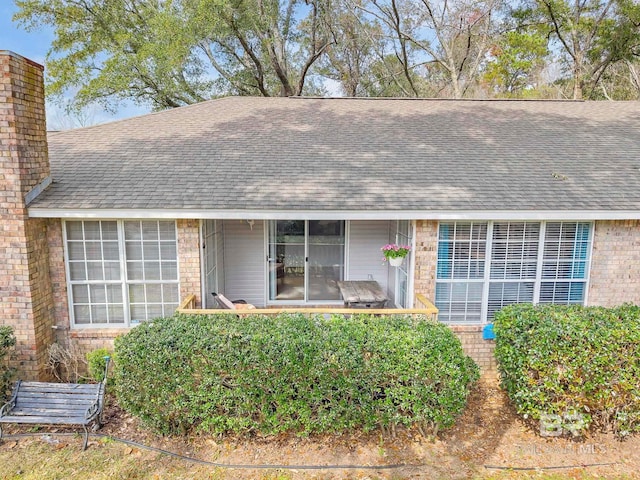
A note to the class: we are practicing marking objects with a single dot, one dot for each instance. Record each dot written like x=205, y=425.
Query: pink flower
x=392, y=250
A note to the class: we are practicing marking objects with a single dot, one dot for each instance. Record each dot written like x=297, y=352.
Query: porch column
x=426, y=255
x=189, y=259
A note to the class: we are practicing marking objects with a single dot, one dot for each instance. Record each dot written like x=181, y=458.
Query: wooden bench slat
x=55, y=406
x=59, y=396
x=58, y=387
x=46, y=406
x=56, y=403
x=68, y=386
x=48, y=414
x=45, y=420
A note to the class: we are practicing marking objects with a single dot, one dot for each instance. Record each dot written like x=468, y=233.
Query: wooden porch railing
x=424, y=307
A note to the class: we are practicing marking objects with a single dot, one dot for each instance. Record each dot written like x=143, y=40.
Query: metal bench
x=46, y=403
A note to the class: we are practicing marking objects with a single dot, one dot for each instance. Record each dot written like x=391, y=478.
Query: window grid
x=460, y=284
x=538, y=262
x=462, y=253
x=100, y=299
x=152, y=266
x=96, y=298
x=565, y=263
x=514, y=251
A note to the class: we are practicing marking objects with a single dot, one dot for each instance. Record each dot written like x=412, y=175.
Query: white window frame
x=537, y=281
x=406, y=268
x=123, y=281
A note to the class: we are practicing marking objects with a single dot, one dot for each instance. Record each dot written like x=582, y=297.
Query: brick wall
x=473, y=345
x=615, y=264
x=189, y=258
x=58, y=277
x=426, y=255
x=26, y=298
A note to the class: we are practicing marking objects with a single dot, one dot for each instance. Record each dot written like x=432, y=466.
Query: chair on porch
x=225, y=303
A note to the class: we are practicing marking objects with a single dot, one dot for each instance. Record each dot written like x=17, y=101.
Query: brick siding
x=473, y=345
x=426, y=254
x=26, y=297
x=189, y=258
x=615, y=265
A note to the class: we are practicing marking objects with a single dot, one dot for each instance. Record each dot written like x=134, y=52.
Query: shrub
x=565, y=360
x=7, y=341
x=96, y=363
x=291, y=373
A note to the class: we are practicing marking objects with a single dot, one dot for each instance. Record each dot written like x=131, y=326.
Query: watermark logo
x=573, y=449
x=554, y=425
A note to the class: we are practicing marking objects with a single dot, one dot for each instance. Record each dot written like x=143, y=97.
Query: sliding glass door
x=306, y=260
x=325, y=245
x=286, y=260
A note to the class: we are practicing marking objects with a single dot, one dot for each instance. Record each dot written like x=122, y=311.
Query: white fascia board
x=336, y=214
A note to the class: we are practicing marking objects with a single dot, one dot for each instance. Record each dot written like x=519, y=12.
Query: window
x=121, y=272
x=514, y=264
x=460, y=271
x=485, y=266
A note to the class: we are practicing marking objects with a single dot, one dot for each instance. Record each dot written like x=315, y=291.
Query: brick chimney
x=26, y=300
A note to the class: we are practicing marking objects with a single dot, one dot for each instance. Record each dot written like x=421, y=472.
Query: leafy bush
x=96, y=363
x=292, y=373
x=568, y=360
x=7, y=341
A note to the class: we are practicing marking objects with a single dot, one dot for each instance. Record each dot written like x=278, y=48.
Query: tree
x=516, y=62
x=620, y=82
x=109, y=51
x=592, y=35
x=262, y=47
x=351, y=54
x=170, y=53
x=446, y=39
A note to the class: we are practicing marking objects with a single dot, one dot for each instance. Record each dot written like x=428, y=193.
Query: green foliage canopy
x=168, y=53
x=177, y=52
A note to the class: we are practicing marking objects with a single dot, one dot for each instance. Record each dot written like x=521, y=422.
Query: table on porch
x=362, y=294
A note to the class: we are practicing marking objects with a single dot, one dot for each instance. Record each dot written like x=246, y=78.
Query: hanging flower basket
x=395, y=253
x=396, y=261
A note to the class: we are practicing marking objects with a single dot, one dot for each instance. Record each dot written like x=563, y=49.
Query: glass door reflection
x=287, y=260
x=325, y=241
x=306, y=260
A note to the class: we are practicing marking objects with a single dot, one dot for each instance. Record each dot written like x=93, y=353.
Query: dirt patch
x=489, y=440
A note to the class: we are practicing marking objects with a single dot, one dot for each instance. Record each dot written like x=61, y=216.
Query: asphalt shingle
x=355, y=154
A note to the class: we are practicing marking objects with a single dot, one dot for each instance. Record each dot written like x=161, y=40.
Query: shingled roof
x=340, y=155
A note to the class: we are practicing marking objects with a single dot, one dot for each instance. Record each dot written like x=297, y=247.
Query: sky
x=34, y=45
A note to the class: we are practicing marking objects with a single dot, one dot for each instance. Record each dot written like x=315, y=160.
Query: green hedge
x=7, y=341
x=97, y=364
x=566, y=360
x=291, y=373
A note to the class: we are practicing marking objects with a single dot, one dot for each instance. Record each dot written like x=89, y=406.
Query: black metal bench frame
x=45, y=403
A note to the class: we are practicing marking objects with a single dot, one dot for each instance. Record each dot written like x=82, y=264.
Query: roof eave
x=125, y=213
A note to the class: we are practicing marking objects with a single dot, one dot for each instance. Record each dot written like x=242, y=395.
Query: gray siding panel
x=244, y=261
x=366, y=237
x=220, y=255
